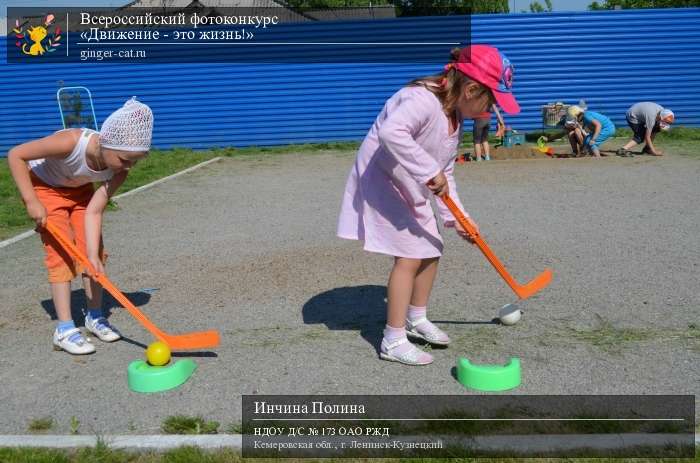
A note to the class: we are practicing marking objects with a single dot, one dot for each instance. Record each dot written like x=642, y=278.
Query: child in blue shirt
x=598, y=126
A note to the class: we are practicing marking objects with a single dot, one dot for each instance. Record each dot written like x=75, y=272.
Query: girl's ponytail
x=446, y=86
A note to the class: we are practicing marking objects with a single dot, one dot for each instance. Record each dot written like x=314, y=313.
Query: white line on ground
x=16, y=238
x=29, y=233
x=169, y=177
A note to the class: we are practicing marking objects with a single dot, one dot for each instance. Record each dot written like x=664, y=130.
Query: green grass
x=159, y=164
x=235, y=428
x=679, y=133
x=690, y=337
x=40, y=424
x=284, y=149
x=680, y=140
x=103, y=454
x=676, y=133
x=180, y=424
x=74, y=425
x=13, y=215
x=684, y=141
x=478, y=339
x=608, y=338
x=611, y=339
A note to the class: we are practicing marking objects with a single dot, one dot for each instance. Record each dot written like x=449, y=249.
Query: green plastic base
x=143, y=377
x=489, y=377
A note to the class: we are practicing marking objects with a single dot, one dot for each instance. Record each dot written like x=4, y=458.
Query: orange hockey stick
x=189, y=341
x=523, y=291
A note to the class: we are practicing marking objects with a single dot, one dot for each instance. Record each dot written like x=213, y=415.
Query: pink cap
x=488, y=66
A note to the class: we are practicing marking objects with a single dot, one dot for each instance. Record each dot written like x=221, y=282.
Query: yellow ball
x=158, y=353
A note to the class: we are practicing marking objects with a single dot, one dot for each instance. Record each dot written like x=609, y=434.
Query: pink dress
x=386, y=202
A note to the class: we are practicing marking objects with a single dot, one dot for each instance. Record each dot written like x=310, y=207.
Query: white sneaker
x=72, y=341
x=427, y=332
x=413, y=356
x=101, y=328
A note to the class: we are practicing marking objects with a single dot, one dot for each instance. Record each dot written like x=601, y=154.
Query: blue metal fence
x=611, y=59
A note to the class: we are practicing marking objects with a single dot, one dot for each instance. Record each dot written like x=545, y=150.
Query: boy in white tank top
x=55, y=177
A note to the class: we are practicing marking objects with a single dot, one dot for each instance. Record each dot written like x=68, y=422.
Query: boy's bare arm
x=93, y=214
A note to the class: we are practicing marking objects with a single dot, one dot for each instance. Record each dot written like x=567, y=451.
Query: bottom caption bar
x=468, y=426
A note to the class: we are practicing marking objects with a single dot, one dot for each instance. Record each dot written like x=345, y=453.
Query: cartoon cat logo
x=36, y=35
x=32, y=41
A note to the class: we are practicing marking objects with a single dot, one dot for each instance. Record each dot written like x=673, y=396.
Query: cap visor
x=507, y=102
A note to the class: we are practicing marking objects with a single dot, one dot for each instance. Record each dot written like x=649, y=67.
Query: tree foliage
x=536, y=6
x=326, y=4
x=627, y=4
x=446, y=7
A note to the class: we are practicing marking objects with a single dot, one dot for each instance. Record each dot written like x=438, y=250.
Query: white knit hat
x=129, y=128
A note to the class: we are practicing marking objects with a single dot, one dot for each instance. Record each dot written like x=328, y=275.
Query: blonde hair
x=574, y=111
x=449, y=85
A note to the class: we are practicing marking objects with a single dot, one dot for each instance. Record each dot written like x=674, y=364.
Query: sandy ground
x=248, y=246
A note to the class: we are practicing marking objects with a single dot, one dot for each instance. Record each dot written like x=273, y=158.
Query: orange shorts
x=66, y=210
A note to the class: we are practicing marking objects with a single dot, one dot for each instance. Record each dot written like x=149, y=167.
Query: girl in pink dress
x=408, y=156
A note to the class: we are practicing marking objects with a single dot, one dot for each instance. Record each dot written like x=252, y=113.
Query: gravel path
x=247, y=246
